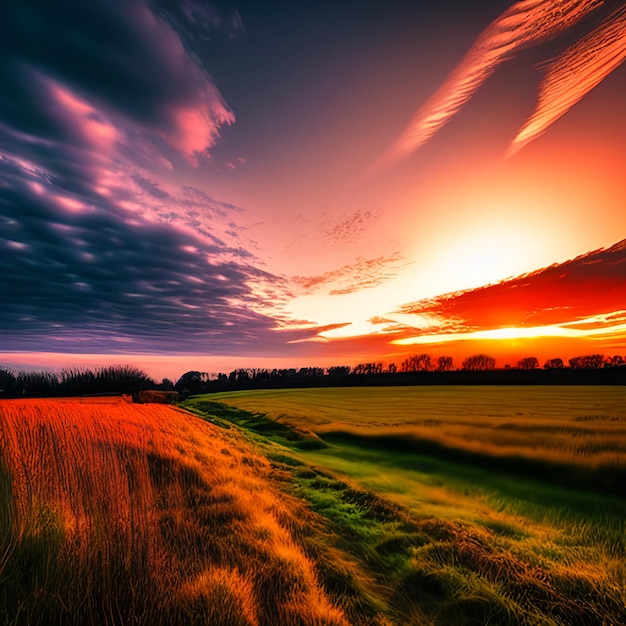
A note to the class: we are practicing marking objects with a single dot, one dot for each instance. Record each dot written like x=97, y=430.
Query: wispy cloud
x=523, y=24
x=347, y=229
x=574, y=73
x=362, y=274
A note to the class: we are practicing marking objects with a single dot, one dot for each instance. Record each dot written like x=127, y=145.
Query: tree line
x=377, y=372
x=128, y=379
x=74, y=381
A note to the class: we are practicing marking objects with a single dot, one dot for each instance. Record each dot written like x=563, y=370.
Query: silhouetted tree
x=191, y=382
x=122, y=378
x=367, y=369
x=444, y=364
x=338, y=371
x=310, y=372
x=479, y=362
x=7, y=382
x=554, y=364
x=587, y=362
x=417, y=363
x=38, y=384
x=392, y=368
x=528, y=363
x=614, y=361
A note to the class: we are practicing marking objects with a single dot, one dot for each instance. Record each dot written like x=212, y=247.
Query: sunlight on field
x=582, y=426
x=114, y=513
x=515, y=495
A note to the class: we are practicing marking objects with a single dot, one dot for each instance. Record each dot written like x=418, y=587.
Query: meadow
x=467, y=505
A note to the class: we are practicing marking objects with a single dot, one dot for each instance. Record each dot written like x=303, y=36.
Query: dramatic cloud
x=121, y=58
x=575, y=73
x=523, y=24
x=99, y=251
x=82, y=279
x=589, y=290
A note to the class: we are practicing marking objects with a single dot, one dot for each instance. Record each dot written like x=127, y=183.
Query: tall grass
x=128, y=514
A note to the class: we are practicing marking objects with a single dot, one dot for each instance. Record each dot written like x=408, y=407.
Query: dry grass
x=113, y=513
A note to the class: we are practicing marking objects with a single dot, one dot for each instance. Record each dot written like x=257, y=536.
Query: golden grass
x=582, y=427
x=114, y=513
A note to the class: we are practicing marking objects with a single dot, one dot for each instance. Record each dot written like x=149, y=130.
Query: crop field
x=510, y=500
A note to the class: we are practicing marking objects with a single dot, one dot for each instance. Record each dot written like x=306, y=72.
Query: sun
x=487, y=252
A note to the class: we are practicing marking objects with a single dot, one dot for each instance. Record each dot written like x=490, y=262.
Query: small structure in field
x=155, y=397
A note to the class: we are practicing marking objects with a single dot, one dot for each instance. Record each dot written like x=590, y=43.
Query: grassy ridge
x=444, y=539
x=131, y=514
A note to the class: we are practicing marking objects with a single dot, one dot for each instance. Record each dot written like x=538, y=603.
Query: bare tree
x=479, y=362
x=528, y=363
x=444, y=363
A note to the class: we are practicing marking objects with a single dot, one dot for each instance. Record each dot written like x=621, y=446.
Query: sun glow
x=513, y=333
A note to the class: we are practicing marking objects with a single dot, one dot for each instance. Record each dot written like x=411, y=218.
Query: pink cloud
x=574, y=73
x=523, y=24
x=362, y=274
x=347, y=229
x=195, y=128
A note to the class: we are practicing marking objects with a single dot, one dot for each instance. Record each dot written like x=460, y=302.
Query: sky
x=194, y=185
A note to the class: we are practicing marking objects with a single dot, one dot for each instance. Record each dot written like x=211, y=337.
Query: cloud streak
x=574, y=73
x=523, y=24
x=362, y=274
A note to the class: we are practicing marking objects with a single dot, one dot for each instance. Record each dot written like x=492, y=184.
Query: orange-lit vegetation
x=453, y=499
x=113, y=513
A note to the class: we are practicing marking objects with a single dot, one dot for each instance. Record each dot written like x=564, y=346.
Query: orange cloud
x=586, y=293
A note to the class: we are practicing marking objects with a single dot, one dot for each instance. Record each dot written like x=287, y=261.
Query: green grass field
x=458, y=505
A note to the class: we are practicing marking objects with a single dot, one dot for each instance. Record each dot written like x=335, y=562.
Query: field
x=509, y=501
x=114, y=513
x=367, y=507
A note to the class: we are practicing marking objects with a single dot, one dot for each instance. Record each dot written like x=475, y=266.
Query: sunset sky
x=196, y=185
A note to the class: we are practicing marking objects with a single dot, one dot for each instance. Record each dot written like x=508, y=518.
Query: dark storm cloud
x=98, y=251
